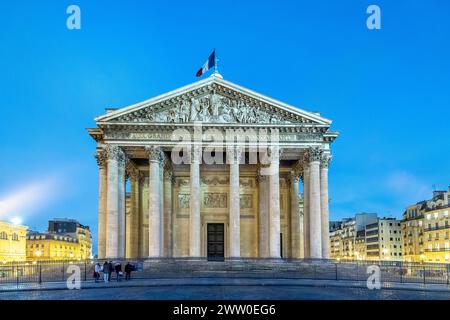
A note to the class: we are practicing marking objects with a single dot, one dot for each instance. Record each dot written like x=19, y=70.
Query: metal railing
x=391, y=271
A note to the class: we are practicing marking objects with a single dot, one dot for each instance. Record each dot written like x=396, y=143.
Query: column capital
x=141, y=178
x=274, y=153
x=315, y=154
x=294, y=176
x=155, y=154
x=132, y=171
x=195, y=154
x=262, y=173
x=325, y=160
x=168, y=171
x=235, y=155
x=114, y=152
x=101, y=158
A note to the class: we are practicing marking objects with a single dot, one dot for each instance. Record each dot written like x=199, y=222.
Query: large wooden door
x=216, y=243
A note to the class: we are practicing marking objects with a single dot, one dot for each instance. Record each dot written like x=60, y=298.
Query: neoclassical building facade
x=212, y=170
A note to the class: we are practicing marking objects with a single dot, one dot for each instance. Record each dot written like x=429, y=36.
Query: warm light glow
x=71, y=255
x=422, y=257
x=37, y=253
x=28, y=198
x=16, y=221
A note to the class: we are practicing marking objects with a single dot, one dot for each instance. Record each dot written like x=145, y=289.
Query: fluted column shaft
x=263, y=185
x=114, y=209
x=235, y=221
x=296, y=243
x=324, y=206
x=194, y=203
x=168, y=212
x=274, y=206
x=121, y=211
x=306, y=212
x=154, y=204
x=102, y=197
x=315, y=235
x=132, y=220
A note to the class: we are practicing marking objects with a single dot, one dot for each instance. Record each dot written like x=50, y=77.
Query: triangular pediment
x=212, y=100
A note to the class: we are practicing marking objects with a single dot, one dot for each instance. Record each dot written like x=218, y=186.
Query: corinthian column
x=194, y=204
x=274, y=206
x=306, y=212
x=263, y=185
x=102, y=192
x=168, y=219
x=315, y=224
x=324, y=205
x=132, y=221
x=235, y=221
x=115, y=158
x=296, y=235
x=121, y=208
x=155, y=157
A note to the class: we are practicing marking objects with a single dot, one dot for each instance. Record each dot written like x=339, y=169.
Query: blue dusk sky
x=387, y=91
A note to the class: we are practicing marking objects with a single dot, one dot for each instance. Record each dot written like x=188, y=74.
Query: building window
x=3, y=235
x=15, y=237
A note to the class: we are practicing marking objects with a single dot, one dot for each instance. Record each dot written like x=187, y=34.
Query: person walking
x=110, y=270
x=106, y=271
x=128, y=269
x=97, y=270
x=118, y=269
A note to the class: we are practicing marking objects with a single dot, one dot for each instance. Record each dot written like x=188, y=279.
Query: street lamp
x=38, y=253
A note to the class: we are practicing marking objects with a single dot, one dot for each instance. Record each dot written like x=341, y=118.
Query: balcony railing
x=437, y=250
x=437, y=228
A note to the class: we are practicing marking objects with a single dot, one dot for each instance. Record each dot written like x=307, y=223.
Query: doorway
x=215, y=242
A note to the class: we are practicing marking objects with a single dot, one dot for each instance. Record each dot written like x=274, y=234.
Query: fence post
x=447, y=273
x=424, y=280
x=336, y=270
x=40, y=272
x=63, y=271
x=401, y=272
x=17, y=276
x=85, y=271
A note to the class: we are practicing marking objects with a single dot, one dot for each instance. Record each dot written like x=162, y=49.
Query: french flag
x=210, y=63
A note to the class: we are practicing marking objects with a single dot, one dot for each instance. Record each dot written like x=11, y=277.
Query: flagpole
x=216, y=68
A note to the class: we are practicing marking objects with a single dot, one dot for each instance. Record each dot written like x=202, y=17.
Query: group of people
x=108, y=268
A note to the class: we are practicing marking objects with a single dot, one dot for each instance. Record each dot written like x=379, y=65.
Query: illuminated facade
x=65, y=240
x=216, y=210
x=12, y=242
x=426, y=230
x=366, y=237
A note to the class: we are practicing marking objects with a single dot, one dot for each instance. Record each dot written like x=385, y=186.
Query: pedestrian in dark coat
x=118, y=269
x=110, y=270
x=105, y=271
x=128, y=269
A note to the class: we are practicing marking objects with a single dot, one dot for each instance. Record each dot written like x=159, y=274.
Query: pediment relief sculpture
x=211, y=108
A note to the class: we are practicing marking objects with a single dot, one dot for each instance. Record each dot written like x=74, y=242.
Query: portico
x=164, y=195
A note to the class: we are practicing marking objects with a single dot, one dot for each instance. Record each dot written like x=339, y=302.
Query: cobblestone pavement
x=208, y=290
